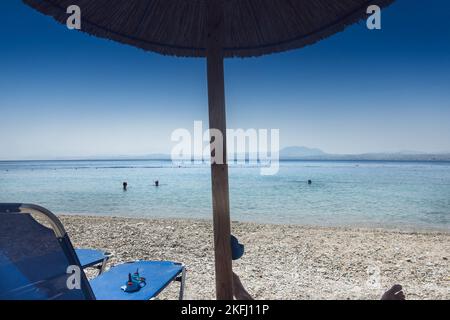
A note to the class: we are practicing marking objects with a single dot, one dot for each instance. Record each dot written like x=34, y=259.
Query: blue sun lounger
x=93, y=258
x=38, y=262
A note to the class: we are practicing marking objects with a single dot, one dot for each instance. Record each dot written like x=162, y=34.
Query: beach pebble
x=280, y=261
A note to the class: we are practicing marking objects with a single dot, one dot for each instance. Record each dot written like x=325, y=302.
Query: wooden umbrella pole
x=219, y=170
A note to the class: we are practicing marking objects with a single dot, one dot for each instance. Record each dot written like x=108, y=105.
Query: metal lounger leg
x=182, y=281
x=103, y=266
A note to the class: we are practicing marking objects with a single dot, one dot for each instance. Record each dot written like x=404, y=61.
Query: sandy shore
x=281, y=261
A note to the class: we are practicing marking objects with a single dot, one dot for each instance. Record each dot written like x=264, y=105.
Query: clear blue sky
x=66, y=94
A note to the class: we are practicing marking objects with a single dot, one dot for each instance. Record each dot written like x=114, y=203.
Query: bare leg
x=239, y=291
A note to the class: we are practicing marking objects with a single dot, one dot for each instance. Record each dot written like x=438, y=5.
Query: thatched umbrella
x=214, y=29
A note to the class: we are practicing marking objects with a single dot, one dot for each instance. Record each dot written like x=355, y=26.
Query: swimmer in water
x=125, y=185
x=156, y=183
x=309, y=182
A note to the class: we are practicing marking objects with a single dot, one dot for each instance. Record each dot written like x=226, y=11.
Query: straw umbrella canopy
x=214, y=29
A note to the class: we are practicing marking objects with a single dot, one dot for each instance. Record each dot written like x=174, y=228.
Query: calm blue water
x=376, y=194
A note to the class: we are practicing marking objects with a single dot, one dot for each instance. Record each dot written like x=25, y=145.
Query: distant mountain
x=300, y=152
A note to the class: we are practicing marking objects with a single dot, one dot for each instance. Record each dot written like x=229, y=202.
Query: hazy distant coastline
x=287, y=154
x=304, y=153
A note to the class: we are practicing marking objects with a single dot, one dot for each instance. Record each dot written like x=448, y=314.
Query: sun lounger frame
x=62, y=236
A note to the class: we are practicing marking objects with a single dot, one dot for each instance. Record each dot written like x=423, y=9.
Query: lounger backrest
x=36, y=262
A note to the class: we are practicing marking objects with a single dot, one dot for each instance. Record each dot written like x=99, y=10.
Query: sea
x=374, y=194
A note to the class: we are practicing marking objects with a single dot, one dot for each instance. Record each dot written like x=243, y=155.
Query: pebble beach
x=280, y=261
